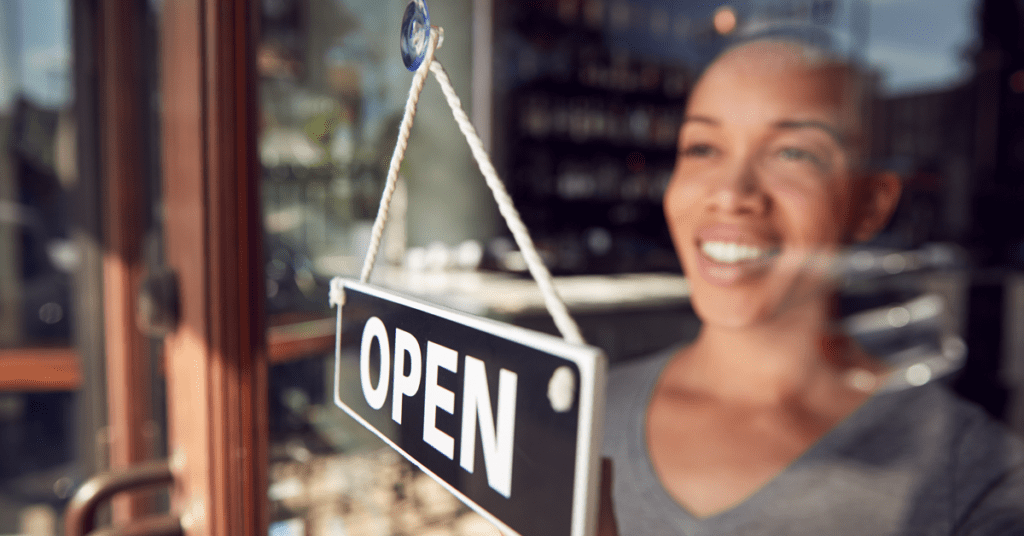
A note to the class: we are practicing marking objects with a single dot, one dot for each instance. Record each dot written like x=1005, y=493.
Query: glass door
x=204, y=338
x=332, y=87
x=40, y=378
x=79, y=389
x=181, y=267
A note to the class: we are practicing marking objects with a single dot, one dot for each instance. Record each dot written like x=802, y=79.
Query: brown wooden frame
x=123, y=137
x=216, y=362
x=59, y=369
x=40, y=369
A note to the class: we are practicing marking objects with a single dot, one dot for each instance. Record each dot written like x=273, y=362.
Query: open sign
x=506, y=418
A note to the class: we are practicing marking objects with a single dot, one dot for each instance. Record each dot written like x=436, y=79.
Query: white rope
x=556, y=307
x=404, y=128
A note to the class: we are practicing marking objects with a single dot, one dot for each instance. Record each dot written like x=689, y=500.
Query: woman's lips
x=729, y=254
x=727, y=262
x=719, y=272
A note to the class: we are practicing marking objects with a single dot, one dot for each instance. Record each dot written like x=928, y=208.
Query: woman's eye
x=699, y=150
x=797, y=154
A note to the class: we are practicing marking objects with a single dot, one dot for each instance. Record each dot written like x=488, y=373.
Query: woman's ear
x=880, y=195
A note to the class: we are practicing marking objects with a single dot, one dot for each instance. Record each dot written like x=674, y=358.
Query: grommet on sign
x=336, y=295
x=562, y=389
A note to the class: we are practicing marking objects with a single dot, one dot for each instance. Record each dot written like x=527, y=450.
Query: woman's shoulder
x=969, y=467
x=931, y=420
x=935, y=411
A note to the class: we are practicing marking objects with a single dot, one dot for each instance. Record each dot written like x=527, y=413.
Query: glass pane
x=332, y=89
x=39, y=468
x=588, y=99
x=53, y=410
x=37, y=168
x=328, y=475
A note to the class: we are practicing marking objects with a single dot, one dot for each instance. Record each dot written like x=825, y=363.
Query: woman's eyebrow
x=825, y=127
x=700, y=119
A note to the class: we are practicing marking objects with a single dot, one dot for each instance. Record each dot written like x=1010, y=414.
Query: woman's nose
x=738, y=190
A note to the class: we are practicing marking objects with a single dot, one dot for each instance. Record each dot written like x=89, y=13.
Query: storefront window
x=37, y=259
x=585, y=103
x=332, y=89
x=37, y=168
x=580, y=104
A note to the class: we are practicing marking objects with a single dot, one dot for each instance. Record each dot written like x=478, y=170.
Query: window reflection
x=39, y=469
x=332, y=90
x=588, y=95
x=36, y=171
x=326, y=113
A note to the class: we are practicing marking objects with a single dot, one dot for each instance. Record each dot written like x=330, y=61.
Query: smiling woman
x=768, y=181
x=772, y=421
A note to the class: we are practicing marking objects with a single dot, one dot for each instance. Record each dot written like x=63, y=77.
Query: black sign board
x=506, y=418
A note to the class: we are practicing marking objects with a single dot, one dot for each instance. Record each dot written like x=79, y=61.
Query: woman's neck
x=791, y=358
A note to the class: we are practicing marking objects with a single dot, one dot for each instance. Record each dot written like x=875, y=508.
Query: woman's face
x=763, y=192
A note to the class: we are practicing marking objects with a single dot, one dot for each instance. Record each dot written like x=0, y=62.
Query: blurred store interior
x=578, y=101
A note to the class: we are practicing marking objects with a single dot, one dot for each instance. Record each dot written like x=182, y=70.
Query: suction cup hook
x=415, y=34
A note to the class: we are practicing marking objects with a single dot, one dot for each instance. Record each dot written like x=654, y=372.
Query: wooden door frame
x=216, y=361
x=123, y=143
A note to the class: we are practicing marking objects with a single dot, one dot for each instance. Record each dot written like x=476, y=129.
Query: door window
x=38, y=369
x=332, y=89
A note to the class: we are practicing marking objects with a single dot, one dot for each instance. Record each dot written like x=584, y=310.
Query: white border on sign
x=591, y=364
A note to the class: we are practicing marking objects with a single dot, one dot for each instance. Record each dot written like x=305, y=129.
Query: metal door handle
x=80, y=516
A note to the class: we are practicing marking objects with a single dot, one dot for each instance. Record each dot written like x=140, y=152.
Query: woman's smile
x=730, y=254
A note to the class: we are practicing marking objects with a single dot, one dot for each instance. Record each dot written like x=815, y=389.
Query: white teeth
x=730, y=252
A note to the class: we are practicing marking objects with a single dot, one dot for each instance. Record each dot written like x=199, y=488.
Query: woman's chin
x=729, y=314
x=776, y=303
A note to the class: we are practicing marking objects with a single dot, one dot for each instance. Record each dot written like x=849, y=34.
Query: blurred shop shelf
x=500, y=295
x=298, y=340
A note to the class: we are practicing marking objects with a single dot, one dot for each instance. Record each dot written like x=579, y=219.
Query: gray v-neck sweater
x=912, y=462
